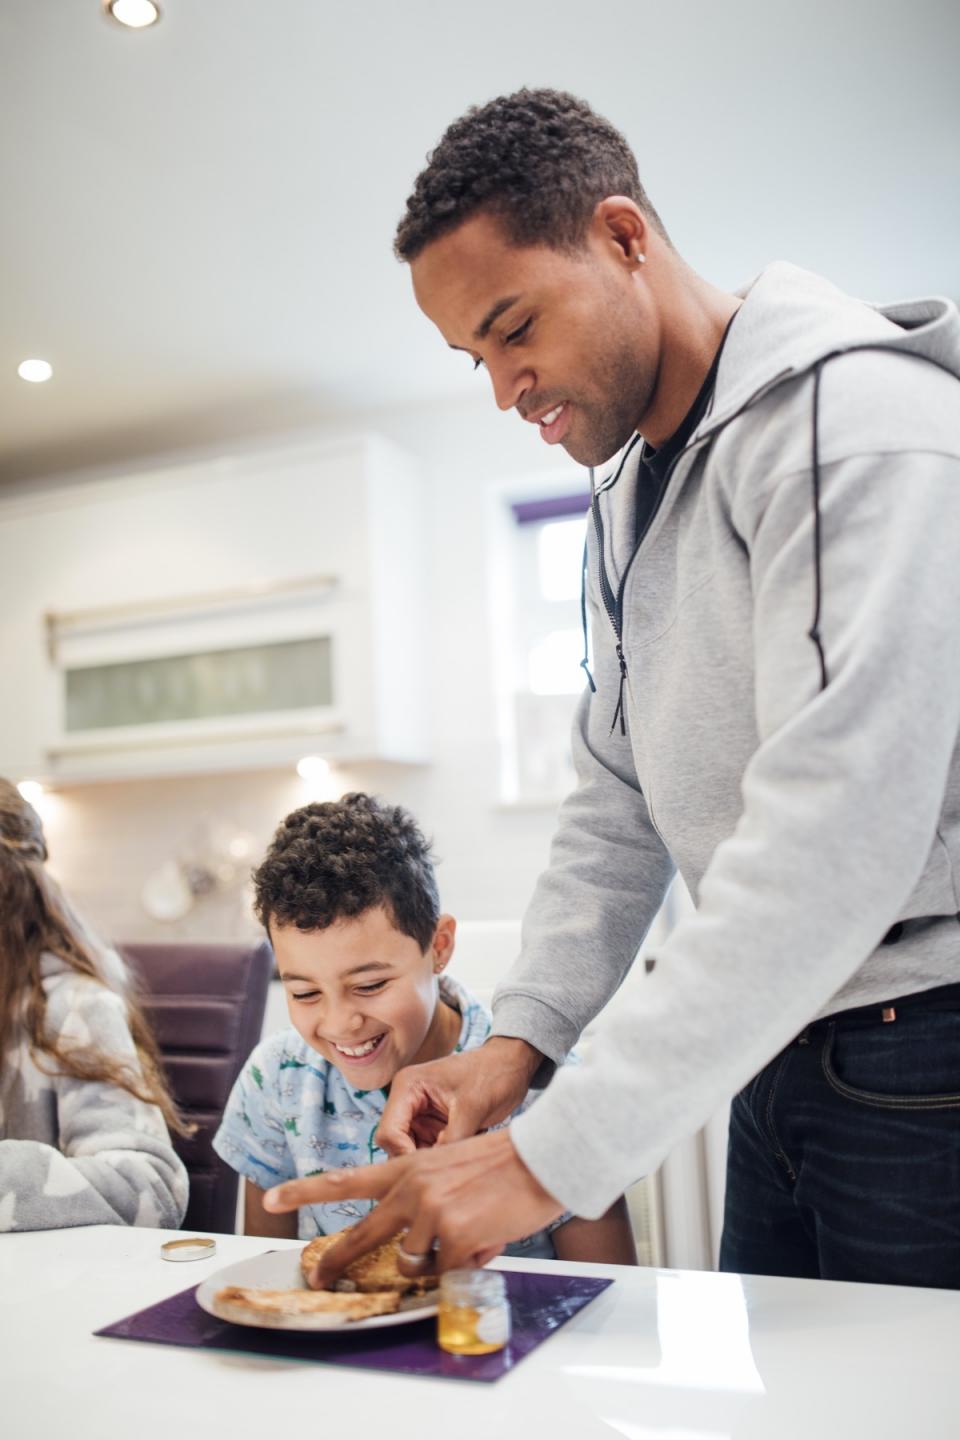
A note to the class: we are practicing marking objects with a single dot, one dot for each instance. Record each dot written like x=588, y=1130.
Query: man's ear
x=618, y=222
x=444, y=939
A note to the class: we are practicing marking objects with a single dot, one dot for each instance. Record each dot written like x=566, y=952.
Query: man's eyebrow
x=494, y=313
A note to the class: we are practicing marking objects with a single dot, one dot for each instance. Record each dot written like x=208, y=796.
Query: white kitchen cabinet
x=154, y=624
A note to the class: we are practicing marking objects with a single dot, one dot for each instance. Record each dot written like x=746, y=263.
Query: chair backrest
x=205, y=1004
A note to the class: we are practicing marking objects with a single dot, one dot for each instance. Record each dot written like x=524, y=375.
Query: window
x=542, y=640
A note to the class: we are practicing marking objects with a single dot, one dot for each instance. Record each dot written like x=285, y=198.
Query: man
x=773, y=590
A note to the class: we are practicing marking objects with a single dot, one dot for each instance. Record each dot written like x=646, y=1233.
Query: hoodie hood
x=791, y=320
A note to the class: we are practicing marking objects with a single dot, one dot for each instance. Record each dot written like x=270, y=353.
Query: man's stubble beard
x=627, y=389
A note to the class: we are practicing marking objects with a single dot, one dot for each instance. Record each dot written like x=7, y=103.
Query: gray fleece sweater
x=77, y=1153
x=808, y=808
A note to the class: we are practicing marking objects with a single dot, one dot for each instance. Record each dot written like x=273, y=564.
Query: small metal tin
x=194, y=1247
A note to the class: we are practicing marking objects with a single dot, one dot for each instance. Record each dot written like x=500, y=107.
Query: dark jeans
x=844, y=1158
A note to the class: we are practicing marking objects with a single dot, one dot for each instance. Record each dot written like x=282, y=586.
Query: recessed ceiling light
x=135, y=14
x=31, y=790
x=36, y=371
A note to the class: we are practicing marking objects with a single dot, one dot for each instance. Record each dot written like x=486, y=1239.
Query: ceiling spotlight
x=135, y=14
x=36, y=371
x=31, y=790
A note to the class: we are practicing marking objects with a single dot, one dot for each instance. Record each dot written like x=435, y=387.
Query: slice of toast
x=377, y=1270
x=249, y=1303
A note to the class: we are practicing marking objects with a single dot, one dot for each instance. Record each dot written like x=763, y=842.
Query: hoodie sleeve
x=607, y=877
x=841, y=802
x=114, y=1163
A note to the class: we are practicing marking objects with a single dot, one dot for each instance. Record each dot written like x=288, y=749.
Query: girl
x=83, y=1105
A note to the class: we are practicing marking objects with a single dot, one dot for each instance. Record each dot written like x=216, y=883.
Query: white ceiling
x=197, y=219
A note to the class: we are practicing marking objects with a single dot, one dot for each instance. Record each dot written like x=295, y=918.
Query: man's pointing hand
x=459, y=1204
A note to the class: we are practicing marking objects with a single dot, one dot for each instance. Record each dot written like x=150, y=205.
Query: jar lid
x=193, y=1247
x=485, y=1286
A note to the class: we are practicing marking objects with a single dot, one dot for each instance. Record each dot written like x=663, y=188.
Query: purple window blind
x=530, y=512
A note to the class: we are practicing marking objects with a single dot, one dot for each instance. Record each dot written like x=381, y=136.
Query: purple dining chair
x=205, y=1004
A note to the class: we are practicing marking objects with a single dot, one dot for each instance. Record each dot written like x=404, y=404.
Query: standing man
x=773, y=588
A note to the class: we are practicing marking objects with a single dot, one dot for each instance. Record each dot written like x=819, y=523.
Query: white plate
x=280, y=1270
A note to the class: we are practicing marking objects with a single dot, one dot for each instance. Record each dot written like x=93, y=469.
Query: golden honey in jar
x=474, y=1313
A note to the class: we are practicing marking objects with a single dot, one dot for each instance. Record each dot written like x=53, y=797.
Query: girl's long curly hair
x=37, y=919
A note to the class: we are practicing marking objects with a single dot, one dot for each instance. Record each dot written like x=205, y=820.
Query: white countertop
x=661, y=1355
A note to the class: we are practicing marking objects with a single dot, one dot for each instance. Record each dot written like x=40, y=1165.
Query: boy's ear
x=444, y=939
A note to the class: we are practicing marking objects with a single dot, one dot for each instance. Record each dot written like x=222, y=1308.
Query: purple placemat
x=540, y=1304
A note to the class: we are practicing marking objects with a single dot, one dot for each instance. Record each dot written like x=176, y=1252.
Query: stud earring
x=641, y=258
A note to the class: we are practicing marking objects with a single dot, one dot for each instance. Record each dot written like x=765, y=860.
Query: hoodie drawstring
x=618, y=713
x=585, y=662
x=814, y=631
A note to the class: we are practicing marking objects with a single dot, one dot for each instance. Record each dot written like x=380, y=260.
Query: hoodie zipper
x=613, y=603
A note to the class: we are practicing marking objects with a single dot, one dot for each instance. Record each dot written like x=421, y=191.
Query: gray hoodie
x=809, y=804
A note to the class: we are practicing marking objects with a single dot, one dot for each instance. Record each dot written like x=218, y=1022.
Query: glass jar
x=474, y=1314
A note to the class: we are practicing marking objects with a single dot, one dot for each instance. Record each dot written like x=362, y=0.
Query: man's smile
x=555, y=423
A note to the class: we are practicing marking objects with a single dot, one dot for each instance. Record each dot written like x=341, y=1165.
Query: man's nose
x=509, y=384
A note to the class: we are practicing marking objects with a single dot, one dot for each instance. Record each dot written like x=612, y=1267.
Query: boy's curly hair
x=338, y=859
x=538, y=160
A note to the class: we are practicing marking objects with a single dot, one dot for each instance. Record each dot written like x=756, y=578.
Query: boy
x=349, y=899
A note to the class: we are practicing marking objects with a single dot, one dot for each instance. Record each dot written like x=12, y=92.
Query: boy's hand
x=453, y=1098
x=459, y=1205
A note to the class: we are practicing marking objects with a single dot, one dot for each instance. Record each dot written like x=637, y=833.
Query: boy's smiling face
x=365, y=996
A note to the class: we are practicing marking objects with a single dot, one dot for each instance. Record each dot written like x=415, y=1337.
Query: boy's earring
x=641, y=258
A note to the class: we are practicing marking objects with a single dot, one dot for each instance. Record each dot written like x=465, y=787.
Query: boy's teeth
x=549, y=419
x=356, y=1050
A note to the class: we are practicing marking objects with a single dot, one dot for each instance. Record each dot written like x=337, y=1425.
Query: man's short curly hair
x=540, y=161
x=338, y=859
